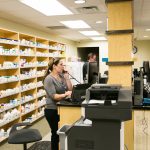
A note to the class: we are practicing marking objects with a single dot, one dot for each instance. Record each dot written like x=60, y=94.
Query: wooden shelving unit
x=57, y=49
x=24, y=59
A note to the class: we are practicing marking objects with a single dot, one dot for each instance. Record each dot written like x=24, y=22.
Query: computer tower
x=138, y=91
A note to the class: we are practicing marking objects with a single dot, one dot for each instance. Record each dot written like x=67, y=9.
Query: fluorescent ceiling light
x=98, y=22
x=145, y=36
x=147, y=29
x=47, y=7
x=98, y=38
x=79, y=1
x=89, y=33
x=76, y=24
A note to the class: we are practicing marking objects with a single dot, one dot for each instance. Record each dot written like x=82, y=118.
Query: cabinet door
x=68, y=115
x=129, y=134
x=142, y=130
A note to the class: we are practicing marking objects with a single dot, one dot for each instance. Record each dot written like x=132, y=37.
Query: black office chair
x=23, y=136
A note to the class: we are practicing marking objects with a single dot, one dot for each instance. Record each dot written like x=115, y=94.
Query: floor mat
x=42, y=145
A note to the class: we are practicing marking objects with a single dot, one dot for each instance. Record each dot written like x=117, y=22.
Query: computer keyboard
x=76, y=102
x=65, y=103
x=69, y=101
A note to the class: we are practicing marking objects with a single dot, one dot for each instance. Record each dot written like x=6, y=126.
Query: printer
x=108, y=102
x=105, y=107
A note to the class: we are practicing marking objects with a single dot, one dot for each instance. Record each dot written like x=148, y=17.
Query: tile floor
x=47, y=137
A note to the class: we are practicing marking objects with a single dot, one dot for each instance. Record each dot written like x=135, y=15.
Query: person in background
x=91, y=58
x=57, y=86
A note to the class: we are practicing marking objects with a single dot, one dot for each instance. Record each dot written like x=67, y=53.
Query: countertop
x=141, y=107
x=70, y=104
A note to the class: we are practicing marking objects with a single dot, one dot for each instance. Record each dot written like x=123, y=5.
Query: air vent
x=57, y=27
x=88, y=10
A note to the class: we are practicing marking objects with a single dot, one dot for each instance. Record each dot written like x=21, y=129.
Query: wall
x=143, y=53
x=71, y=49
x=103, y=52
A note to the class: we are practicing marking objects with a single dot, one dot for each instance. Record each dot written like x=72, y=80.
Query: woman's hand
x=68, y=94
x=66, y=76
x=67, y=80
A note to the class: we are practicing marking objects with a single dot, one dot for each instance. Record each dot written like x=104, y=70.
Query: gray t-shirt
x=53, y=86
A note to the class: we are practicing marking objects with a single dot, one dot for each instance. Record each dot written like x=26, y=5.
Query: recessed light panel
x=98, y=22
x=47, y=7
x=79, y=1
x=99, y=38
x=89, y=33
x=76, y=24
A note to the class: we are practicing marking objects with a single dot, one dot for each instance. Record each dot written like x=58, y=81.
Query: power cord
x=74, y=78
x=125, y=146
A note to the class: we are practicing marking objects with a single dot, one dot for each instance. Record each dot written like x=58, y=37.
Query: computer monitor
x=79, y=92
x=146, y=69
x=93, y=72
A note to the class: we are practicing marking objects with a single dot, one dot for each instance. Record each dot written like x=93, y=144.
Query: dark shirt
x=85, y=70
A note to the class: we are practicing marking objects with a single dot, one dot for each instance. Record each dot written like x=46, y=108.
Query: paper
x=92, y=101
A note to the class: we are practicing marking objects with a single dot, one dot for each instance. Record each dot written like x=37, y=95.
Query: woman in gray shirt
x=58, y=87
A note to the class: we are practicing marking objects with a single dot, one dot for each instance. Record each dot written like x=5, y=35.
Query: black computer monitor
x=93, y=72
x=79, y=92
x=146, y=69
